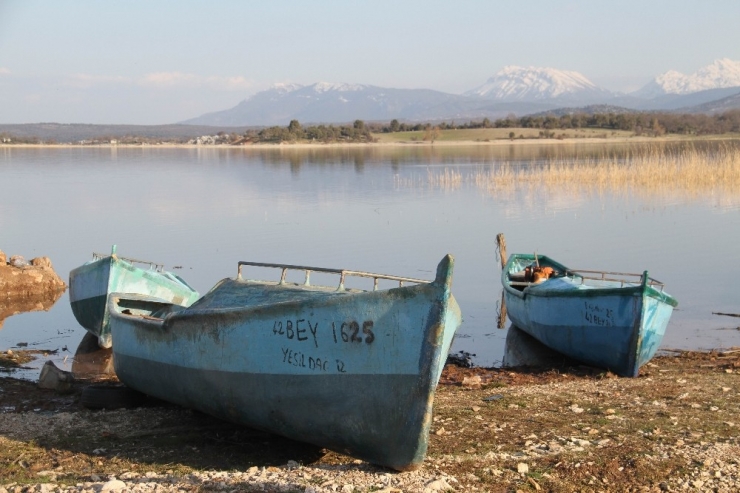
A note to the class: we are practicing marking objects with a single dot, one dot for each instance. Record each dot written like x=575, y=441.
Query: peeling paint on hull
x=351, y=371
x=613, y=325
x=91, y=284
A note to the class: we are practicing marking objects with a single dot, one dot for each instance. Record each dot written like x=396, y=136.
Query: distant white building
x=205, y=140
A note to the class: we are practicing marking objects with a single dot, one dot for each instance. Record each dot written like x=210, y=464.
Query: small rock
x=53, y=378
x=49, y=474
x=18, y=261
x=522, y=468
x=113, y=485
x=41, y=262
x=474, y=381
x=437, y=485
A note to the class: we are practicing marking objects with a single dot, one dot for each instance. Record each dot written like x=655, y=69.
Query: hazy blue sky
x=152, y=62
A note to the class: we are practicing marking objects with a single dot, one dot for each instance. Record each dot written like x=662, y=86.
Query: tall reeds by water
x=652, y=171
x=655, y=172
x=435, y=178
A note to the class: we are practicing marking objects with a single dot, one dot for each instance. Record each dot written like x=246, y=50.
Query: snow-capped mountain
x=326, y=102
x=720, y=74
x=517, y=90
x=514, y=83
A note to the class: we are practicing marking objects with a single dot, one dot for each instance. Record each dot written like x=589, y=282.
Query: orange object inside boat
x=537, y=274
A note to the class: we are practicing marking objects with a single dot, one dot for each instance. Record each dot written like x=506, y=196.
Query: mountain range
x=513, y=90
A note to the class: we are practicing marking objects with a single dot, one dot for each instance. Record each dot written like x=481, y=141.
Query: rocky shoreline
x=23, y=279
x=674, y=428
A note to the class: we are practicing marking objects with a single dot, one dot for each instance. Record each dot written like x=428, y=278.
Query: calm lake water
x=385, y=210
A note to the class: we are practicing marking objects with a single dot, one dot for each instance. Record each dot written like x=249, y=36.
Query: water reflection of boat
x=523, y=350
x=90, y=360
x=609, y=320
x=37, y=303
x=91, y=283
x=346, y=369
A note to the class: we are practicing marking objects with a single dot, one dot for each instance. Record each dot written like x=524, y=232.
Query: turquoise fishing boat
x=608, y=320
x=91, y=283
x=353, y=370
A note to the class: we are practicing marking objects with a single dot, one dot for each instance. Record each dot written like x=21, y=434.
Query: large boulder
x=19, y=278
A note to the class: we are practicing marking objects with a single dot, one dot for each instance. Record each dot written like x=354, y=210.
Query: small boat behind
x=347, y=369
x=91, y=284
x=608, y=320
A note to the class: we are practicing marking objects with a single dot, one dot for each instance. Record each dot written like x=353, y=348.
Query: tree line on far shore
x=648, y=123
x=643, y=123
x=357, y=132
x=640, y=123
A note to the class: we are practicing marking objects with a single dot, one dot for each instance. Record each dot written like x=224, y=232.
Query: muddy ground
x=674, y=428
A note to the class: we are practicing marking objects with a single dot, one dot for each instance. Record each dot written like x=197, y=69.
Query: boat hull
x=616, y=328
x=91, y=284
x=353, y=373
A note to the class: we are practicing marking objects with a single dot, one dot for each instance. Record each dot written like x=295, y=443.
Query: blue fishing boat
x=91, y=283
x=353, y=370
x=608, y=320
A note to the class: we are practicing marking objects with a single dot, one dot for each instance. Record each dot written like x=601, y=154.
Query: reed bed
x=446, y=179
x=656, y=173
x=652, y=172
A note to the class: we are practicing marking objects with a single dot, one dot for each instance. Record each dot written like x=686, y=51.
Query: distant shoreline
x=399, y=144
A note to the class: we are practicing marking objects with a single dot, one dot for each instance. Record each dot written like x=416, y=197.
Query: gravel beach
x=674, y=428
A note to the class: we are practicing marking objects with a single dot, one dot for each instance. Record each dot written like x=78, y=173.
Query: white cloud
x=87, y=80
x=154, y=80
x=179, y=79
x=237, y=83
x=168, y=79
x=151, y=98
x=4, y=71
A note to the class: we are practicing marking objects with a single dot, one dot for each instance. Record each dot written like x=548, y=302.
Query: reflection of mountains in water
x=91, y=361
x=16, y=305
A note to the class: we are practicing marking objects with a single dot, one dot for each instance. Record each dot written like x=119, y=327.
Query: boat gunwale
x=343, y=273
x=542, y=290
x=153, y=266
x=192, y=312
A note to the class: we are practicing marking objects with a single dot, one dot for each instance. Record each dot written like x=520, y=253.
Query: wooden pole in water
x=501, y=246
x=502, y=314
